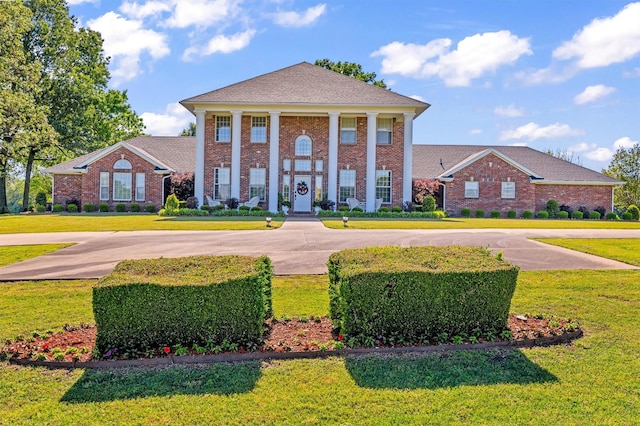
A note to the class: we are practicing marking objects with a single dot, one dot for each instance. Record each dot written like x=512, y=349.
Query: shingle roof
x=427, y=158
x=177, y=153
x=305, y=84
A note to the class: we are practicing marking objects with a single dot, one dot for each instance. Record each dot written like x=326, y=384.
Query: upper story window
x=471, y=189
x=258, y=129
x=122, y=164
x=384, y=131
x=223, y=128
x=347, y=130
x=508, y=190
x=303, y=146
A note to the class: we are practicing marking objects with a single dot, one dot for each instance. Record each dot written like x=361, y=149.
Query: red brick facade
x=491, y=170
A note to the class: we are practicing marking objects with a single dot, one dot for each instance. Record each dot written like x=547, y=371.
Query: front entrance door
x=302, y=194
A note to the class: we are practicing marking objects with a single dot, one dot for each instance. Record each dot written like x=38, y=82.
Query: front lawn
x=80, y=222
x=593, y=381
x=625, y=250
x=14, y=254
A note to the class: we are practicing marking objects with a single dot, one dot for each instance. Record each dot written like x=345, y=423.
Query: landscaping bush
x=566, y=208
x=479, y=213
x=584, y=210
x=134, y=207
x=612, y=216
x=577, y=214
x=635, y=211
x=357, y=209
x=172, y=202
x=205, y=207
x=326, y=204
x=89, y=207
x=465, y=212
x=594, y=215
x=511, y=214
x=218, y=207
x=527, y=214
x=625, y=216
x=562, y=214
x=408, y=206
x=543, y=214
x=121, y=208
x=600, y=210
x=256, y=209
x=103, y=207
x=396, y=209
x=41, y=198
x=244, y=208
x=383, y=210
x=191, y=203
x=232, y=203
x=150, y=208
x=495, y=214
x=57, y=208
x=428, y=204
x=40, y=208
x=345, y=209
x=553, y=207
x=72, y=208
x=413, y=294
x=151, y=303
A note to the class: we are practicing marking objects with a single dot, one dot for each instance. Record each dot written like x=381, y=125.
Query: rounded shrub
x=562, y=214
x=40, y=208
x=428, y=204
x=527, y=214
x=465, y=212
x=121, y=208
x=218, y=207
x=396, y=209
x=357, y=209
x=495, y=214
x=72, y=208
x=172, y=202
x=41, y=198
x=553, y=207
x=134, y=207
x=594, y=215
x=479, y=213
x=577, y=214
x=383, y=209
x=150, y=208
x=244, y=208
x=612, y=216
x=635, y=211
x=625, y=216
x=89, y=207
x=511, y=214
x=103, y=207
x=191, y=203
x=256, y=209
x=206, y=208
x=57, y=208
x=543, y=214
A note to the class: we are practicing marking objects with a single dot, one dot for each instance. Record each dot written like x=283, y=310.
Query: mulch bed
x=281, y=336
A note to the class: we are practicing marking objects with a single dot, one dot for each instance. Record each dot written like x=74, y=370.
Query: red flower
x=166, y=349
x=340, y=337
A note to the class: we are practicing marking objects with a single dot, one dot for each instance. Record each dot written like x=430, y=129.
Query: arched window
x=122, y=164
x=303, y=146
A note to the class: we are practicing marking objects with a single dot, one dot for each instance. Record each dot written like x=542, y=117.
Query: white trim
x=274, y=159
x=137, y=151
x=198, y=184
x=407, y=183
x=236, y=134
x=575, y=182
x=370, y=183
x=332, y=167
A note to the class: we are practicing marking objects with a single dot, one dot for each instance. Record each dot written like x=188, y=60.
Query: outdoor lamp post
x=268, y=219
x=345, y=221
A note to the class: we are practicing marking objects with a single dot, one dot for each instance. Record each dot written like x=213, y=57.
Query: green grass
x=472, y=223
x=593, y=381
x=15, y=254
x=18, y=224
x=625, y=250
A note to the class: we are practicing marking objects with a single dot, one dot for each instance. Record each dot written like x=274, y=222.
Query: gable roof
x=305, y=84
x=541, y=167
x=170, y=153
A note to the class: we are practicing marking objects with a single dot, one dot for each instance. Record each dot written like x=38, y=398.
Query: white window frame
x=302, y=165
x=118, y=179
x=258, y=129
x=258, y=183
x=221, y=183
x=104, y=185
x=472, y=189
x=286, y=165
x=318, y=188
x=303, y=146
x=384, y=131
x=140, y=187
x=122, y=165
x=348, y=133
x=223, y=128
x=385, y=190
x=319, y=166
x=347, y=185
x=286, y=188
x=508, y=190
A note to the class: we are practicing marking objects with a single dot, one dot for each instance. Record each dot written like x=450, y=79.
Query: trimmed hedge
x=147, y=304
x=414, y=294
x=438, y=214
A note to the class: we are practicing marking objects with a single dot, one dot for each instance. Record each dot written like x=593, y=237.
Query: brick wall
x=67, y=188
x=575, y=196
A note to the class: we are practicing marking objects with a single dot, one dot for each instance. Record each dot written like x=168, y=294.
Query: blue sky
x=549, y=74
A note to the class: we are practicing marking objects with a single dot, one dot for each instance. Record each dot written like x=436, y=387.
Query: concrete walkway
x=300, y=246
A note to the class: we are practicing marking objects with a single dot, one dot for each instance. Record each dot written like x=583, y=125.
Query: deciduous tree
x=625, y=166
x=352, y=70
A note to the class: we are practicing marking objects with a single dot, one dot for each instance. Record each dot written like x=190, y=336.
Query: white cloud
x=632, y=74
x=171, y=123
x=141, y=11
x=125, y=41
x=582, y=147
x=417, y=98
x=220, y=44
x=200, y=13
x=604, y=41
x=533, y=131
x=473, y=57
x=518, y=144
x=624, y=142
x=509, y=111
x=592, y=94
x=296, y=20
x=475, y=132
x=599, y=154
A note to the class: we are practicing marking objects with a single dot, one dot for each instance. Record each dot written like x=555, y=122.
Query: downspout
x=444, y=197
x=53, y=186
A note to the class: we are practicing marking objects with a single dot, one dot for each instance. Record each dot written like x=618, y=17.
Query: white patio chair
x=378, y=204
x=251, y=203
x=211, y=202
x=353, y=203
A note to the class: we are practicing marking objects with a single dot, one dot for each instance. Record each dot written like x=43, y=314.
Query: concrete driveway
x=300, y=246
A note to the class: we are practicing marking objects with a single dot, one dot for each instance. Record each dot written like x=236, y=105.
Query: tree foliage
x=625, y=166
x=565, y=155
x=352, y=70
x=190, y=130
x=423, y=188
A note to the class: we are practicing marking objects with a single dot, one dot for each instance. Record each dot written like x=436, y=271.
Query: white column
x=407, y=185
x=274, y=159
x=371, y=161
x=332, y=167
x=236, y=122
x=199, y=171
